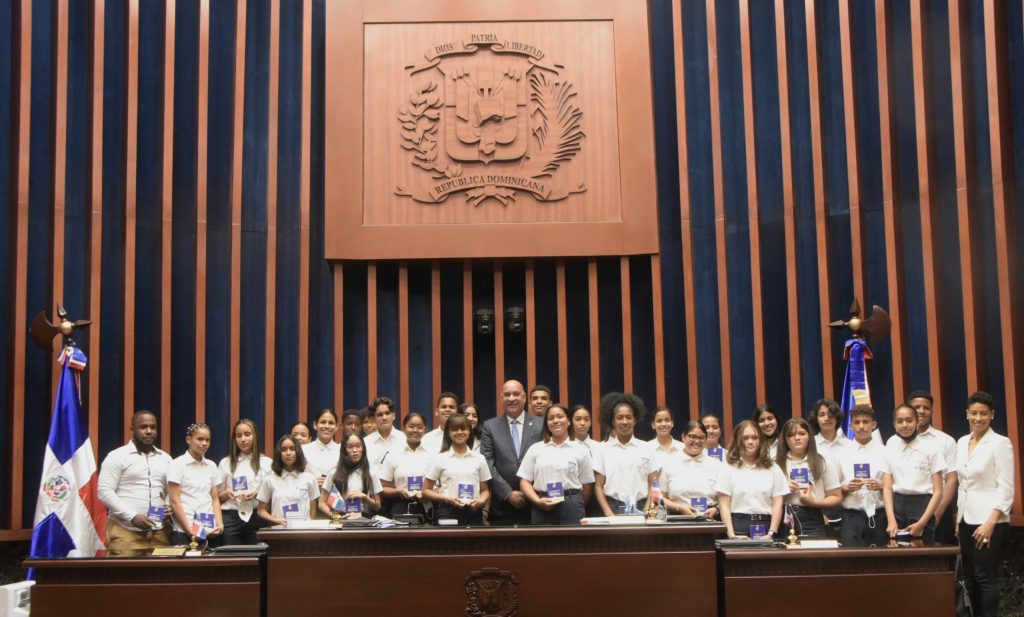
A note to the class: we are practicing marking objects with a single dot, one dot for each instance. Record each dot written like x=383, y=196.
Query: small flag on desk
x=199, y=530
x=334, y=500
x=655, y=496
x=70, y=521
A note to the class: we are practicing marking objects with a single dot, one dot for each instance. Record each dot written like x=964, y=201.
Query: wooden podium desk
x=837, y=582
x=147, y=586
x=598, y=570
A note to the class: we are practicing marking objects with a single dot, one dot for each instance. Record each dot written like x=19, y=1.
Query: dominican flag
x=334, y=500
x=199, y=530
x=855, y=385
x=70, y=521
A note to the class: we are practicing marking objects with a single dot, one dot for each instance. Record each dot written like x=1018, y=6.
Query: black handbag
x=963, y=592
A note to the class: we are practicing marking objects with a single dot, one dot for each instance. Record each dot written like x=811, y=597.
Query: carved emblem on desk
x=492, y=593
x=501, y=120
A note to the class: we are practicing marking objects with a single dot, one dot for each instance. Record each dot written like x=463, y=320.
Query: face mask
x=909, y=438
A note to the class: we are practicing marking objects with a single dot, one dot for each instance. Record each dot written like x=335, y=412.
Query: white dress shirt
x=945, y=444
x=355, y=483
x=985, y=478
x=830, y=449
x=243, y=480
x=685, y=478
x=378, y=448
x=828, y=481
x=130, y=482
x=431, y=442
x=406, y=463
x=291, y=488
x=625, y=468
x=661, y=455
x=448, y=470
x=912, y=465
x=547, y=463
x=751, y=488
x=321, y=457
x=873, y=454
x=196, y=479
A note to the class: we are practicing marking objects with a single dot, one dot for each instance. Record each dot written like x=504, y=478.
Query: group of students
x=544, y=467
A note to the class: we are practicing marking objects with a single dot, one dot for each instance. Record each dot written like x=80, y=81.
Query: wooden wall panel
x=809, y=84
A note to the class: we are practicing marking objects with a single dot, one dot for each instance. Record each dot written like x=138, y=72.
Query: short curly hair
x=611, y=401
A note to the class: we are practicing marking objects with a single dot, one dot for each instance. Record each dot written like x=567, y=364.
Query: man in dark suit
x=504, y=441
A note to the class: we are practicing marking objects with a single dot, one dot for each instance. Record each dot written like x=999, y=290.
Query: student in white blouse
x=826, y=420
x=458, y=477
x=354, y=485
x=768, y=421
x=945, y=513
x=688, y=481
x=472, y=413
x=447, y=405
x=192, y=481
x=985, y=470
x=241, y=473
x=622, y=465
x=813, y=479
x=866, y=483
x=556, y=475
x=289, y=492
x=751, y=487
x=916, y=468
x=663, y=447
x=386, y=439
x=321, y=454
x=581, y=423
x=403, y=472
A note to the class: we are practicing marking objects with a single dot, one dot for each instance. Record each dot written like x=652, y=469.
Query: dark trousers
x=809, y=523
x=741, y=522
x=945, y=530
x=981, y=567
x=569, y=512
x=860, y=530
x=465, y=516
x=908, y=510
x=509, y=516
x=237, y=531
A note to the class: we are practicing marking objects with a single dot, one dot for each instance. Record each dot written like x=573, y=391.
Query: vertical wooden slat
x=499, y=324
x=403, y=339
x=131, y=181
x=166, y=222
x=563, y=334
x=237, y=160
x=852, y=160
x=963, y=149
x=17, y=441
x=304, y=205
x=753, y=202
x=595, y=349
x=721, y=252
x=272, y=164
x=467, y=334
x=893, y=242
x=435, y=328
x=96, y=220
x=1008, y=270
x=690, y=315
x=371, y=330
x=788, y=209
x=627, y=325
x=820, y=215
x=339, y=337
x=202, y=151
x=531, y=327
x=659, y=331
x=924, y=138
x=60, y=158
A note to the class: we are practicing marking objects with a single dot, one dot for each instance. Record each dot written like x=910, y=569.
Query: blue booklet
x=862, y=471
x=800, y=475
x=466, y=492
x=414, y=483
x=239, y=483
x=555, y=490
x=354, y=505
x=758, y=530
x=207, y=519
x=699, y=504
x=716, y=453
x=156, y=514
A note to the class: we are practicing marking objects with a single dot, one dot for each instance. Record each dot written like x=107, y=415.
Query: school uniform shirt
x=855, y=453
x=591, y=443
x=379, y=448
x=773, y=449
x=912, y=465
x=660, y=455
x=196, y=478
x=828, y=481
x=321, y=457
x=356, y=483
x=751, y=487
x=942, y=442
x=986, y=478
x=686, y=477
x=625, y=468
x=243, y=480
x=830, y=449
x=131, y=481
x=568, y=462
x=402, y=464
x=448, y=470
x=431, y=442
x=291, y=487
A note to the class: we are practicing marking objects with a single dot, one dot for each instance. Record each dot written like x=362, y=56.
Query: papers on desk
x=318, y=523
x=817, y=544
x=626, y=519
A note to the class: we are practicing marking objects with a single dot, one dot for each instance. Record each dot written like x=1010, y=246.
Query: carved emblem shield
x=492, y=593
x=490, y=117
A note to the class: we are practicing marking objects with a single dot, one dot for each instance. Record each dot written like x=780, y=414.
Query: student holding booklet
x=813, y=479
x=751, y=487
x=352, y=487
x=402, y=473
x=192, y=481
x=241, y=473
x=289, y=492
x=557, y=475
x=917, y=469
x=866, y=484
x=457, y=478
x=689, y=480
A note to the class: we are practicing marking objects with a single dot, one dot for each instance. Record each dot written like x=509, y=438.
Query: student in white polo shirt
x=192, y=481
x=688, y=481
x=752, y=487
x=622, y=465
x=945, y=513
x=813, y=479
x=557, y=474
x=353, y=481
x=241, y=473
x=458, y=477
x=581, y=424
x=447, y=405
x=289, y=492
x=826, y=419
x=866, y=483
x=664, y=446
x=321, y=454
x=916, y=468
x=403, y=471
x=385, y=439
